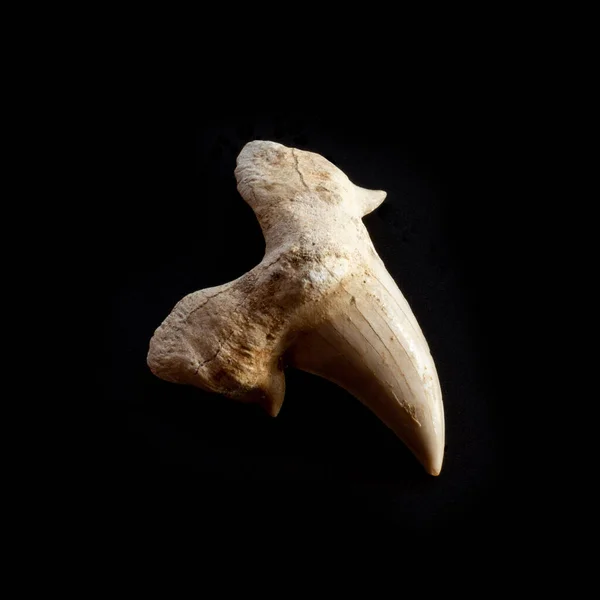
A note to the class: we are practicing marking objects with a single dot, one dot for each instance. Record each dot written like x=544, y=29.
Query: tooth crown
x=320, y=300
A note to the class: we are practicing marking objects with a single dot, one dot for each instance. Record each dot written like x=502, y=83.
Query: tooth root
x=373, y=350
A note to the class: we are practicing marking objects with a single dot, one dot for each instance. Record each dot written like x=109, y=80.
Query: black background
x=172, y=222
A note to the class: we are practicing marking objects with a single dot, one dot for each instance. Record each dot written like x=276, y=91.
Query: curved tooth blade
x=376, y=351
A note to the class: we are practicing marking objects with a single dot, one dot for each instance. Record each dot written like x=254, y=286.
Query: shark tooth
x=321, y=300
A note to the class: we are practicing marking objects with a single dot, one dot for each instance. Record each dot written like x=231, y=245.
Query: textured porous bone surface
x=321, y=300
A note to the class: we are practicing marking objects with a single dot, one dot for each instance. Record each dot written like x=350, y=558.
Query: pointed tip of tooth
x=433, y=463
x=427, y=446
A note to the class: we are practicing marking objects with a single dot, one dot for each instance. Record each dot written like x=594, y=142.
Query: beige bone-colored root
x=321, y=300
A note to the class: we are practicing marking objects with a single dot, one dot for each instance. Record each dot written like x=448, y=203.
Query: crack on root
x=216, y=354
x=203, y=304
x=298, y=169
x=273, y=262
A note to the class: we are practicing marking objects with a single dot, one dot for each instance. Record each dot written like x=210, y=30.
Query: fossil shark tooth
x=321, y=300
